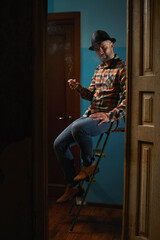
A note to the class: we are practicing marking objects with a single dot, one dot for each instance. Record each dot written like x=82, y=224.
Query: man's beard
x=104, y=58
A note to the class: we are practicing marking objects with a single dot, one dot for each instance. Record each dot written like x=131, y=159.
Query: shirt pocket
x=109, y=80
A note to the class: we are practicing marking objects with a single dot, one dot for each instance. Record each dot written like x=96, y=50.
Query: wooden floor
x=94, y=222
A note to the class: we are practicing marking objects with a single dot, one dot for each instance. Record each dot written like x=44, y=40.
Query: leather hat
x=98, y=37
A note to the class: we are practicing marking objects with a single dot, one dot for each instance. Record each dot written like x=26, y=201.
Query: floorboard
x=94, y=222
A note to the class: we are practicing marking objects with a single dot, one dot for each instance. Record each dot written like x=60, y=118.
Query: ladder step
x=79, y=200
x=97, y=153
x=88, y=179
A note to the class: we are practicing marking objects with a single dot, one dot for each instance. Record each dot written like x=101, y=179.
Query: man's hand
x=104, y=117
x=74, y=85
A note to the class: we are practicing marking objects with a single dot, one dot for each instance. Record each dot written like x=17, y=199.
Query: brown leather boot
x=85, y=172
x=70, y=193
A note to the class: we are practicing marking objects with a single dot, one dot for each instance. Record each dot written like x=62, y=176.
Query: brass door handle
x=66, y=118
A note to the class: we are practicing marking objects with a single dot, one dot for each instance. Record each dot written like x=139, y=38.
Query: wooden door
x=142, y=175
x=63, y=104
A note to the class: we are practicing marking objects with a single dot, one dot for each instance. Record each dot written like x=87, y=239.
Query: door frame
x=40, y=184
x=127, y=121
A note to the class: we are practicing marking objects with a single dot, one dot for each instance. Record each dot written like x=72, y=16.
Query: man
x=106, y=94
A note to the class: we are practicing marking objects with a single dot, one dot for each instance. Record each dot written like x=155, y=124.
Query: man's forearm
x=85, y=93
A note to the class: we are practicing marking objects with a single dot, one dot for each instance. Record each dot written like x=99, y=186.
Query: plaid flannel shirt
x=107, y=91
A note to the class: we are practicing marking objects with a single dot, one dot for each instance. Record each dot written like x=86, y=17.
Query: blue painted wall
x=109, y=16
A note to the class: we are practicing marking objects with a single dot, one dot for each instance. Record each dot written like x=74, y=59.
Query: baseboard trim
x=105, y=205
x=56, y=190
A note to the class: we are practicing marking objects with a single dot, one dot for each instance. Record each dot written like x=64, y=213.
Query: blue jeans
x=78, y=132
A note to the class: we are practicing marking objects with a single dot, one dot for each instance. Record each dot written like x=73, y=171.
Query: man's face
x=104, y=51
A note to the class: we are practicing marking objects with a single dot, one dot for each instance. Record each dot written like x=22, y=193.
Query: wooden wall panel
x=146, y=109
x=142, y=199
x=144, y=178
x=147, y=37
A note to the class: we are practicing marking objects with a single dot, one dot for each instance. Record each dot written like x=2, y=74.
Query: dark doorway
x=63, y=105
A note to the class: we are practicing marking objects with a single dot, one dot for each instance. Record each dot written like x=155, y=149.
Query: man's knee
x=57, y=144
x=76, y=129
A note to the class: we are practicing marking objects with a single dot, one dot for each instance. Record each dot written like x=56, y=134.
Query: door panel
x=142, y=179
x=63, y=104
